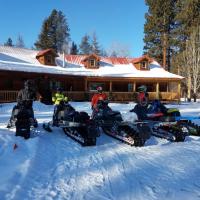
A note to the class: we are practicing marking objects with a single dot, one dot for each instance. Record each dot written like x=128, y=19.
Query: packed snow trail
x=51, y=166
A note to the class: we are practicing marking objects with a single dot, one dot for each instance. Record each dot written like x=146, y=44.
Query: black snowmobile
x=162, y=121
x=76, y=125
x=111, y=122
x=22, y=119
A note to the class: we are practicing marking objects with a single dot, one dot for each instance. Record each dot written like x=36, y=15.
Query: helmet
x=59, y=89
x=28, y=84
x=99, y=89
x=142, y=88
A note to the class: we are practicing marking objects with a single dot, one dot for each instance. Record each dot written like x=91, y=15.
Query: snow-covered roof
x=18, y=59
x=42, y=53
x=19, y=55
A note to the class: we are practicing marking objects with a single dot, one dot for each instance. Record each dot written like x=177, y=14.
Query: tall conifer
x=85, y=47
x=54, y=33
x=74, y=49
x=160, y=22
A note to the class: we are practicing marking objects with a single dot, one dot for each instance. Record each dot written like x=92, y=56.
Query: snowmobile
x=192, y=128
x=22, y=120
x=76, y=125
x=163, y=121
x=112, y=124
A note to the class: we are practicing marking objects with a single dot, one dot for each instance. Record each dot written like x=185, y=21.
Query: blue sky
x=114, y=21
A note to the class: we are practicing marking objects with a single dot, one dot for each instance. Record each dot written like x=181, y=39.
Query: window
x=92, y=63
x=54, y=85
x=144, y=65
x=93, y=86
x=49, y=59
x=130, y=87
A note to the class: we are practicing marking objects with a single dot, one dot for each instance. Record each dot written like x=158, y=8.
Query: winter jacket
x=58, y=98
x=97, y=97
x=26, y=97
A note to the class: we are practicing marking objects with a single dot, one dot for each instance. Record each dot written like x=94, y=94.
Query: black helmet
x=142, y=88
x=59, y=89
x=28, y=84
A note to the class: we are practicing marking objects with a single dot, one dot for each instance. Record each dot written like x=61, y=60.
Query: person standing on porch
x=99, y=96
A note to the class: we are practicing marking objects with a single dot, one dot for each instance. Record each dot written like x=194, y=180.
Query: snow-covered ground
x=51, y=166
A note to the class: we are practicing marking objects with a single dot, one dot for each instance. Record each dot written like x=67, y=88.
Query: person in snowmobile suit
x=58, y=98
x=143, y=96
x=141, y=108
x=157, y=106
x=25, y=98
x=96, y=97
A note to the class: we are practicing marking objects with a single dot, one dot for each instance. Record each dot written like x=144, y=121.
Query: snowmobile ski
x=46, y=127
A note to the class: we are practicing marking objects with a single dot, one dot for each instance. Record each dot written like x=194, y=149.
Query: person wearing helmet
x=27, y=94
x=142, y=106
x=99, y=96
x=58, y=98
x=143, y=96
x=25, y=98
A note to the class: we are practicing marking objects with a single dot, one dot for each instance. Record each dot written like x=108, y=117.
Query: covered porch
x=118, y=90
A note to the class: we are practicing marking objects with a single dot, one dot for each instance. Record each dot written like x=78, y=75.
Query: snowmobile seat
x=84, y=116
x=153, y=115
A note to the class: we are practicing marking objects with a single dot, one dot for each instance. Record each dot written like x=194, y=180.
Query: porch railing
x=10, y=96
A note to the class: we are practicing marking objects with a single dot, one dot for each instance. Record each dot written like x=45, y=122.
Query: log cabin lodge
x=79, y=75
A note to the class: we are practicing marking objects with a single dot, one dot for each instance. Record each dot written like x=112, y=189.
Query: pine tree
x=114, y=54
x=54, y=33
x=85, y=47
x=187, y=18
x=8, y=42
x=95, y=45
x=44, y=42
x=74, y=49
x=160, y=23
x=103, y=52
x=20, y=42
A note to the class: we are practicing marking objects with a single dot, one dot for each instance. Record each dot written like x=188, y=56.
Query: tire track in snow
x=35, y=184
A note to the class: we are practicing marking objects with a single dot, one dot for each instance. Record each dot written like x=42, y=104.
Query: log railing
x=10, y=96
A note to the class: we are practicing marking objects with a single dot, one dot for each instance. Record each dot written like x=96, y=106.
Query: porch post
x=85, y=88
x=157, y=90
x=167, y=87
x=110, y=86
x=134, y=86
x=179, y=91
